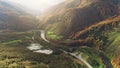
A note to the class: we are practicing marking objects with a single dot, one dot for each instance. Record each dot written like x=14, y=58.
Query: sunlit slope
x=104, y=37
x=72, y=16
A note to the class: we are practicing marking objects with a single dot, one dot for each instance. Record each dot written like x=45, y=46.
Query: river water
x=36, y=47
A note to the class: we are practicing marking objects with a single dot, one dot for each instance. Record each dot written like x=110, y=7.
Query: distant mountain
x=11, y=7
x=72, y=16
x=14, y=17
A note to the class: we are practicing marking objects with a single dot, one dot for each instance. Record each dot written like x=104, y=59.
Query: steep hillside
x=13, y=17
x=103, y=37
x=102, y=26
x=72, y=16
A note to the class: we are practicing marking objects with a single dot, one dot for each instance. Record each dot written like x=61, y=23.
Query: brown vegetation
x=104, y=25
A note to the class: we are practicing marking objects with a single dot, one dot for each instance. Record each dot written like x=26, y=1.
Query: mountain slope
x=103, y=25
x=102, y=37
x=13, y=17
x=72, y=16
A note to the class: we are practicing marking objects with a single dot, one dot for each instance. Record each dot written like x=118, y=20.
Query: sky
x=38, y=5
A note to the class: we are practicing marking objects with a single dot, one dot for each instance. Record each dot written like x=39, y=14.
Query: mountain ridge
x=72, y=17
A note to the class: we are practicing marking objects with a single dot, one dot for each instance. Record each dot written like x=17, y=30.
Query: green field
x=51, y=35
x=14, y=54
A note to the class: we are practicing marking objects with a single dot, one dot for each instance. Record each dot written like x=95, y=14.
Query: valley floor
x=14, y=53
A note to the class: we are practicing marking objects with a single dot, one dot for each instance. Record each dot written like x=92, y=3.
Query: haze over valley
x=59, y=33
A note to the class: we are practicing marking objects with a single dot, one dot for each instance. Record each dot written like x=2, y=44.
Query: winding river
x=79, y=57
x=42, y=34
x=37, y=47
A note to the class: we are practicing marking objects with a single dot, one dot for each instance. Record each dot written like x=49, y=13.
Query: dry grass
x=86, y=30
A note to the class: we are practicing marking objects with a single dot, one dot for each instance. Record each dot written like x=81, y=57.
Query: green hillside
x=72, y=16
x=104, y=38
